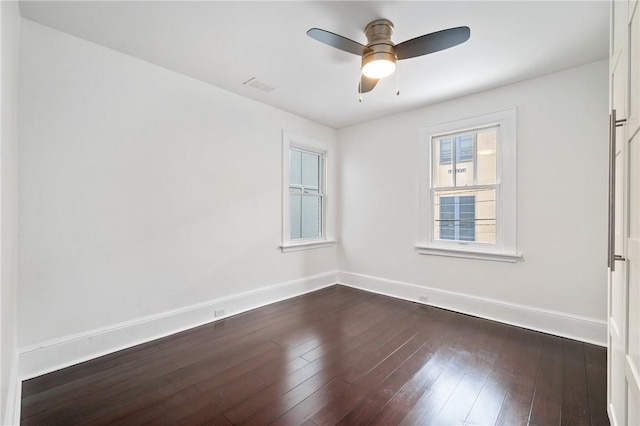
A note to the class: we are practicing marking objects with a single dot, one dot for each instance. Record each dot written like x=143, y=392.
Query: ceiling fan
x=380, y=54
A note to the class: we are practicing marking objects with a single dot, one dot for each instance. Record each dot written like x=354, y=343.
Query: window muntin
x=306, y=194
x=464, y=186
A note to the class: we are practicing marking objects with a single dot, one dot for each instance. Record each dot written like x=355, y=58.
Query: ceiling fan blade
x=367, y=84
x=337, y=41
x=433, y=42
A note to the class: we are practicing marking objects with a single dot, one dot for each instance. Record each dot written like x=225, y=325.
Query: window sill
x=307, y=245
x=469, y=253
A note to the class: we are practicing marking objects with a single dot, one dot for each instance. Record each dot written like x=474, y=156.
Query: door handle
x=618, y=257
x=612, y=165
x=611, y=256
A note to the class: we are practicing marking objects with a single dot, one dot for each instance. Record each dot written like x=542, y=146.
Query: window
x=305, y=194
x=464, y=191
x=304, y=221
x=468, y=189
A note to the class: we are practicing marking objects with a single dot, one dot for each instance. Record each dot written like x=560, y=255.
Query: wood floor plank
x=337, y=409
x=356, y=373
x=210, y=405
x=596, y=362
x=371, y=403
x=49, y=404
x=426, y=358
x=289, y=324
x=283, y=403
x=486, y=408
x=575, y=398
x=330, y=365
x=454, y=393
x=218, y=421
x=461, y=400
x=336, y=356
x=253, y=322
x=366, y=409
x=127, y=388
x=405, y=399
x=383, y=325
x=417, y=396
x=354, y=315
x=516, y=406
x=483, y=364
x=306, y=409
x=547, y=399
x=92, y=367
x=429, y=404
x=245, y=374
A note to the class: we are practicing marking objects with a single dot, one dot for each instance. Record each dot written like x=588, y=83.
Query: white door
x=618, y=296
x=632, y=253
x=624, y=280
x=632, y=246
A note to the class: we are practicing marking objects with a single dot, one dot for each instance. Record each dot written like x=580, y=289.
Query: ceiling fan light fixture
x=380, y=55
x=378, y=65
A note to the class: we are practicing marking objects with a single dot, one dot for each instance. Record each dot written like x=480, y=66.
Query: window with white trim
x=306, y=194
x=468, y=206
x=305, y=221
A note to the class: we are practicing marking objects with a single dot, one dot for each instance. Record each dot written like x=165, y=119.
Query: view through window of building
x=464, y=185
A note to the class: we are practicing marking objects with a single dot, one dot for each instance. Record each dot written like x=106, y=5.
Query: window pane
x=445, y=151
x=295, y=207
x=465, y=215
x=295, y=167
x=464, y=160
x=486, y=216
x=447, y=218
x=486, y=160
x=442, y=175
x=310, y=171
x=311, y=216
x=487, y=156
x=464, y=148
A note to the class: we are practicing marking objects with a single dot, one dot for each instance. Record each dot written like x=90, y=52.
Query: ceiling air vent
x=260, y=85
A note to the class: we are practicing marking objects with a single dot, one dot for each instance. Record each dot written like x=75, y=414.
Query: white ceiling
x=227, y=43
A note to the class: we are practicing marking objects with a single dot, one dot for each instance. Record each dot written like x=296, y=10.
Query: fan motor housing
x=378, y=34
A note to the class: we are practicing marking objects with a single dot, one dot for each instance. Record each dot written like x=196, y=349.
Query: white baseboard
x=14, y=395
x=55, y=354
x=575, y=327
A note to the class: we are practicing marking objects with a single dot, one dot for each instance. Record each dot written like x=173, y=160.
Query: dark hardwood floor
x=335, y=356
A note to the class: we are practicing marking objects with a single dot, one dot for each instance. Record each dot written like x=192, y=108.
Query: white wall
x=562, y=200
x=142, y=191
x=9, y=391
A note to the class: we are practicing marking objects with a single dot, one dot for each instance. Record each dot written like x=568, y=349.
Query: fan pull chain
x=397, y=80
x=360, y=90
